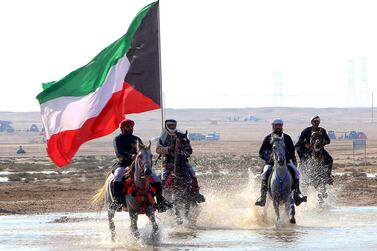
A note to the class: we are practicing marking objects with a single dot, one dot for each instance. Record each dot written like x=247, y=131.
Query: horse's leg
x=324, y=191
x=265, y=210
x=291, y=204
x=133, y=218
x=150, y=214
x=322, y=195
x=178, y=217
x=110, y=215
x=276, y=207
x=187, y=209
x=194, y=213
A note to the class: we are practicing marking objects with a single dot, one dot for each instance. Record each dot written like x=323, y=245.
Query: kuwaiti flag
x=91, y=101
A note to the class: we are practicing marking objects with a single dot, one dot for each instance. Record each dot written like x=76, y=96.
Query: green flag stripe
x=91, y=76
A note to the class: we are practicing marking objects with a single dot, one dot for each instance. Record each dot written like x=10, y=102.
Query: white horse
x=139, y=198
x=280, y=182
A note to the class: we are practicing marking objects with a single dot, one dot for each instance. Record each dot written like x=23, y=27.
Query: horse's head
x=316, y=141
x=143, y=161
x=278, y=148
x=183, y=145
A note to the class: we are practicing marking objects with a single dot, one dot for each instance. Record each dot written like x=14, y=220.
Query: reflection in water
x=282, y=235
x=183, y=235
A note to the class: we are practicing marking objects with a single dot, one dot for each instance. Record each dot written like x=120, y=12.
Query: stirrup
x=199, y=198
x=299, y=199
x=261, y=202
x=163, y=206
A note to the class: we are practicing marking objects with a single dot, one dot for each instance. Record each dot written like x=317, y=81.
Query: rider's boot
x=261, y=201
x=297, y=195
x=198, y=197
x=118, y=196
x=162, y=203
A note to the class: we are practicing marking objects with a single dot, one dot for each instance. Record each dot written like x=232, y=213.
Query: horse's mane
x=275, y=137
x=181, y=134
x=140, y=146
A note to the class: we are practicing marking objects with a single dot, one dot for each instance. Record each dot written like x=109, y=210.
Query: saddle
x=169, y=181
x=145, y=198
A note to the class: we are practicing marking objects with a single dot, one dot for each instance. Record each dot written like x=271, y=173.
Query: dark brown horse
x=178, y=185
x=315, y=172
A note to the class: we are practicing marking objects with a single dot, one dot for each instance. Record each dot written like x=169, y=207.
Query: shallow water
x=228, y=221
x=345, y=228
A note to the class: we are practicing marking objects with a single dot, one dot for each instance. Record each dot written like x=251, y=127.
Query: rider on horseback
x=265, y=153
x=165, y=147
x=303, y=144
x=125, y=150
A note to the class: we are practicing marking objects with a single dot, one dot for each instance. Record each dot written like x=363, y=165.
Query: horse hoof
x=137, y=235
x=292, y=221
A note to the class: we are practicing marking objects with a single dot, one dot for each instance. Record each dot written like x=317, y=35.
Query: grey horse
x=280, y=182
x=139, y=198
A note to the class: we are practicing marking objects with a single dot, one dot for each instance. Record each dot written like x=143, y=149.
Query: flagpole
x=162, y=103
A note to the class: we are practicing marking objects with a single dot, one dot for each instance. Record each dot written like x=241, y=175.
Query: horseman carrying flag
x=125, y=150
x=92, y=101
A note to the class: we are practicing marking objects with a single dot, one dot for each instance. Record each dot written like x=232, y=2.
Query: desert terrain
x=31, y=183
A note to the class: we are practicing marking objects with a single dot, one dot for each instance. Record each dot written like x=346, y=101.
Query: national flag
x=91, y=101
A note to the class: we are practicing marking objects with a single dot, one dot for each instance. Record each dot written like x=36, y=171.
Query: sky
x=215, y=53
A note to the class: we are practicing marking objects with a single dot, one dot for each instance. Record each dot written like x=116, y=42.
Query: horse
x=178, y=183
x=315, y=172
x=280, y=181
x=139, y=198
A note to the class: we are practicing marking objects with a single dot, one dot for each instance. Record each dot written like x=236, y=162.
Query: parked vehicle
x=213, y=136
x=331, y=134
x=361, y=135
x=351, y=135
x=196, y=136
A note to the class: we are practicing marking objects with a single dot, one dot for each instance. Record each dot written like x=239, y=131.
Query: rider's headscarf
x=124, y=123
x=166, y=131
x=315, y=117
x=277, y=121
x=171, y=122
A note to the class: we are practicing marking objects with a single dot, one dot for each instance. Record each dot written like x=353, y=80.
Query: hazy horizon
x=229, y=108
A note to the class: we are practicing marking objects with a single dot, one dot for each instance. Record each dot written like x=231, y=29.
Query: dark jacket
x=307, y=132
x=267, y=146
x=125, y=147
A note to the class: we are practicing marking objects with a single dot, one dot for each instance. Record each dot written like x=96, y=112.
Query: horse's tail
x=98, y=200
